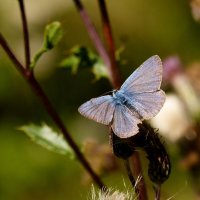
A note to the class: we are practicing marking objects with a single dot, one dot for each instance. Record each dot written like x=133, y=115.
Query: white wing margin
x=99, y=109
x=124, y=123
x=146, y=78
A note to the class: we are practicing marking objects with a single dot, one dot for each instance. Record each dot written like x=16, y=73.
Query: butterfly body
x=120, y=97
x=124, y=100
x=139, y=98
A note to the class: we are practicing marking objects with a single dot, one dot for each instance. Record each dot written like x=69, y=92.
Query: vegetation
x=73, y=64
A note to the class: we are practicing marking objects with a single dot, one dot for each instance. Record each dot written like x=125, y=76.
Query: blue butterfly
x=139, y=98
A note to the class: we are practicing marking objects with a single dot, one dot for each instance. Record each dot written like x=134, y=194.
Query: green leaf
x=100, y=71
x=119, y=57
x=47, y=138
x=80, y=57
x=52, y=35
x=72, y=62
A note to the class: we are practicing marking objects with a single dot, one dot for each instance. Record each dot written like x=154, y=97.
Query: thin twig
x=26, y=73
x=11, y=55
x=110, y=43
x=95, y=39
x=26, y=34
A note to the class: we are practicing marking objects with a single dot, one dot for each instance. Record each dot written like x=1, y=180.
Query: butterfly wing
x=124, y=122
x=146, y=78
x=148, y=104
x=99, y=109
x=143, y=88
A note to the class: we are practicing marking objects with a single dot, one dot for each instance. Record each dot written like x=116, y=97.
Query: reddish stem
x=96, y=40
x=29, y=77
x=107, y=30
x=135, y=159
x=141, y=187
x=26, y=34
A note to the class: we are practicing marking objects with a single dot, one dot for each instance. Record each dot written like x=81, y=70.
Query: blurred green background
x=144, y=28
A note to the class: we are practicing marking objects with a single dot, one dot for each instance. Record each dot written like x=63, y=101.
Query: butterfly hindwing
x=99, y=109
x=124, y=123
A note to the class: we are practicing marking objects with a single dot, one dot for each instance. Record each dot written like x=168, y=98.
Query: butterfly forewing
x=146, y=78
x=99, y=109
x=124, y=123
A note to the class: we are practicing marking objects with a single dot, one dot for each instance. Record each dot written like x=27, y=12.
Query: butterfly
x=139, y=98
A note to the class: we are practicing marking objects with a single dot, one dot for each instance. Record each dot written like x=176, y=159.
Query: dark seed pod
x=159, y=169
x=121, y=148
x=147, y=139
x=159, y=163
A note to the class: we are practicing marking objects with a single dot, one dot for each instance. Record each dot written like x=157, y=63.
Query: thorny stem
x=96, y=40
x=26, y=34
x=107, y=30
x=29, y=77
x=135, y=160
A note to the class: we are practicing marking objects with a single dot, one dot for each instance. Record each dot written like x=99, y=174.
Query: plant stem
x=96, y=40
x=11, y=55
x=29, y=77
x=130, y=175
x=26, y=34
x=117, y=81
x=114, y=74
x=55, y=117
x=157, y=192
x=141, y=187
x=110, y=43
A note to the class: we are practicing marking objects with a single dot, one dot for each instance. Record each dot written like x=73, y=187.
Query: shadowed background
x=142, y=28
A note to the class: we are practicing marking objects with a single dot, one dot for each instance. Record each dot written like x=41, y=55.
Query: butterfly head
x=119, y=96
x=114, y=93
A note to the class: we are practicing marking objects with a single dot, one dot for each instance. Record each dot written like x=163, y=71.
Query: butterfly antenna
x=109, y=92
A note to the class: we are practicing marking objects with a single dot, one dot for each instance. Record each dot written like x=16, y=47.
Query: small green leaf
x=100, y=71
x=80, y=57
x=47, y=138
x=71, y=62
x=119, y=57
x=52, y=35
